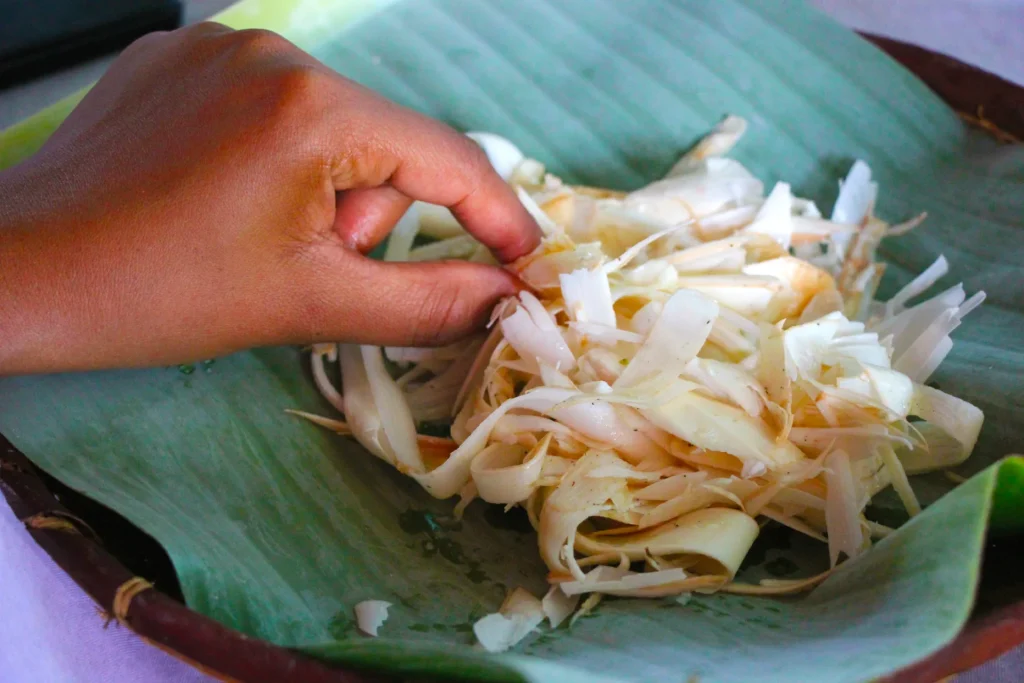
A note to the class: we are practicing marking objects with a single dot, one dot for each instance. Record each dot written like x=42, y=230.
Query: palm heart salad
x=695, y=359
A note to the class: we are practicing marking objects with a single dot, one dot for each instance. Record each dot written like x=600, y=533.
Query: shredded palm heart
x=695, y=358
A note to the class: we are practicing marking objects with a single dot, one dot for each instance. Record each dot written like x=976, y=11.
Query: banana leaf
x=278, y=529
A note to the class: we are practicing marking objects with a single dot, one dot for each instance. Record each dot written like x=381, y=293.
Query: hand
x=218, y=190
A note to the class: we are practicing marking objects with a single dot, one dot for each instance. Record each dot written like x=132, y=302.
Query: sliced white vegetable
x=602, y=334
x=371, y=615
x=680, y=332
x=722, y=138
x=716, y=426
x=558, y=606
x=919, y=285
x=775, y=218
x=899, y=480
x=575, y=499
x=671, y=486
x=588, y=297
x=362, y=417
x=461, y=246
x=625, y=585
x=857, y=195
x=407, y=355
x=842, y=512
x=729, y=382
x=706, y=188
x=887, y=387
x=399, y=428
x=449, y=478
x=546, y=225
x=520, y=614
x=324, y=383
x=803, y=283
x=823, y=437
x=534, y=344
x=508, y=474
x=717, y=538
x=952, y=429
x=437, y=221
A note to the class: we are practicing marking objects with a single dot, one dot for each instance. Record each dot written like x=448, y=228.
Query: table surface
x=61, y=637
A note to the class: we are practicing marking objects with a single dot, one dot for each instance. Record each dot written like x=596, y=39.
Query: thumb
x=408, y=304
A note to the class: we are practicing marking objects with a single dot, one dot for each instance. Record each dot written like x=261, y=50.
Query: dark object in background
x=39, y=36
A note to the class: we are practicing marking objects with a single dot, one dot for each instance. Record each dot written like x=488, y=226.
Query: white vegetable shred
x=371, y=615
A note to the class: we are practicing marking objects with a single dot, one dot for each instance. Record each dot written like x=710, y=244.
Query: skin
x=217, y=190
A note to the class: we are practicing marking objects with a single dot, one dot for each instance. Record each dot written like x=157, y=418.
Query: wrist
x=37, y=311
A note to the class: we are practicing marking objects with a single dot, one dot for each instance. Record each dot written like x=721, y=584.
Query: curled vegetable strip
x=397, y=433
x=519, y=615
x=692, y=360
x=535, y=337
x=950, y=430
x=506, y=473
x=323, y=382
x=576, y=498
x=362, y=415
x=450, y=477
x=715, y=540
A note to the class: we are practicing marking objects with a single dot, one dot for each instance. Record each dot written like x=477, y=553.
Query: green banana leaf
x=278, y=529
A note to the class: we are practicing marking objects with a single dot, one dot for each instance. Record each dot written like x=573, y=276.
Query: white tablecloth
x=51, y=632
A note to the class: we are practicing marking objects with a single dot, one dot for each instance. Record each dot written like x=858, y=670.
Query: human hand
x=216, y=190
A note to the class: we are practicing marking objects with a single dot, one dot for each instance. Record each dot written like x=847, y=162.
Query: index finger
x=429, y=161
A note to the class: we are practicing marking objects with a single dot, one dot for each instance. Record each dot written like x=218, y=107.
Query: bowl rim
x=981, y=98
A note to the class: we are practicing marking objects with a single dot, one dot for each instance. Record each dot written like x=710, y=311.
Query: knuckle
x=202, y=29
x=145, y=43
x=291, y=97
x=299, y=84
x=258, y=42
x=281, y=84
x=296, y=97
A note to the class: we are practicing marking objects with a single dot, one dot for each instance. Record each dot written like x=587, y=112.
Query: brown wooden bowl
x=99, y=562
